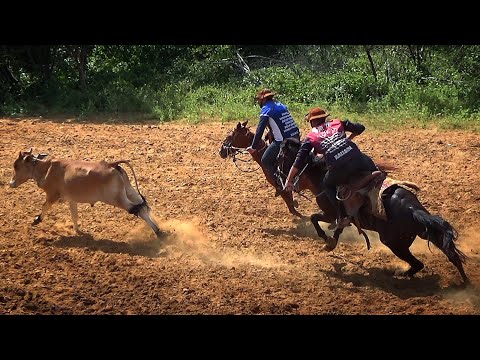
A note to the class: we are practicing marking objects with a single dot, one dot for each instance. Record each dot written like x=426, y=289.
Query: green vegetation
x=383, y=86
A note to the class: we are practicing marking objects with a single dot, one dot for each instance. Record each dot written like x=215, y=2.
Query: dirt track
x=232, y=248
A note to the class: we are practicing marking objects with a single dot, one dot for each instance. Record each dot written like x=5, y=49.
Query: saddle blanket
x=375, y=195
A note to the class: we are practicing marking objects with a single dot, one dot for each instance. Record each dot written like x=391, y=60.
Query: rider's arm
x=260, y=129
x=354, y=128
x=298, y=164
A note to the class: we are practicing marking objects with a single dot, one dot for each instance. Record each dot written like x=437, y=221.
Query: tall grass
x=350, y=92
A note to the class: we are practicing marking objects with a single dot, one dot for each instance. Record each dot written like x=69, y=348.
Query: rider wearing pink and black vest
x=341, y=154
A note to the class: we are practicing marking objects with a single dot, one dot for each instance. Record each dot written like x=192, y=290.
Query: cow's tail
x=117, y=163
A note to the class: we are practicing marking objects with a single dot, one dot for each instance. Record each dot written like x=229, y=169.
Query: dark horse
x=406, y=216
x=240, y=138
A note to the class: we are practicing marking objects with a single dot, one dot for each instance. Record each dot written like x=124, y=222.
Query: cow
x=78, y=181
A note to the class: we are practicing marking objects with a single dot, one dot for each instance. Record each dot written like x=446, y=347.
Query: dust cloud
x=464, y=297
x=186, y=238
x=469, y=241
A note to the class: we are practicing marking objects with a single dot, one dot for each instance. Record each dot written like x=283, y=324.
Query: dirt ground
x=232, y=248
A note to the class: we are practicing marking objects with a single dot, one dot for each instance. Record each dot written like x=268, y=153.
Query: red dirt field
x=232, y=248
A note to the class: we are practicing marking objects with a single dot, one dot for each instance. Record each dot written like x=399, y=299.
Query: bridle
x=233, y=151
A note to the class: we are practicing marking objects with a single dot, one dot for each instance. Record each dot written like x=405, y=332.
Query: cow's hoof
x=162, y=252
x=37, y=220
x=330, y=243
x=160, y=234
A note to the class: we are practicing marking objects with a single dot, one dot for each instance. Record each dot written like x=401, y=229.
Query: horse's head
x=241, y=137
x=287, y=154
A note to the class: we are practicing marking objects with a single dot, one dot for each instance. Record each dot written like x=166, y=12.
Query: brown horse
x=240, y=138
x=406, y=217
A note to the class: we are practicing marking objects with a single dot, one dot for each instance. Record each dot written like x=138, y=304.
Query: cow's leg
x=140, y=209
x=74, y=212
x=46, y=205
x=132, y=194
x=145, y=215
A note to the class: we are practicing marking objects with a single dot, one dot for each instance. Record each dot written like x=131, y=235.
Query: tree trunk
x=372, y=65
x=82, y=66
x=7, y=77
x=387, y=66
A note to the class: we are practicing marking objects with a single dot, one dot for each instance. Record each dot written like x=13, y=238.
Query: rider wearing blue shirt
x=278, y=119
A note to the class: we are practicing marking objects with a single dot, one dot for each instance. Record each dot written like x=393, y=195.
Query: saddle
x=365, y=191
x=356, y=194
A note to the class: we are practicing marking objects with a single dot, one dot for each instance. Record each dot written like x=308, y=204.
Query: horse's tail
x=441, y=234
x=385, y=166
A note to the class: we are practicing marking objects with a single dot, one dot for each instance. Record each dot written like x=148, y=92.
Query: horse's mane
x=316, y=163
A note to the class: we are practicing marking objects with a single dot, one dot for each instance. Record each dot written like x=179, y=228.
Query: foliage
x=432, y=84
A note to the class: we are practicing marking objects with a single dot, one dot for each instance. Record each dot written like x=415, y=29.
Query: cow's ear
x=29, y=151
x=245, y=123
x=239, y=125
x=20, y=155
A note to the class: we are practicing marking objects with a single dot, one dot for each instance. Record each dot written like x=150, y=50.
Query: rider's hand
x=251, y=150
x=288, y=187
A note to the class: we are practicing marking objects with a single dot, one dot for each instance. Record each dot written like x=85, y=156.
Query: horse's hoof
x=330, y=243
x=399, y=273
x=403, y=274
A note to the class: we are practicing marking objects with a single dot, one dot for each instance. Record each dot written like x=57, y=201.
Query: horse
x=406, y=217
x=242, y=137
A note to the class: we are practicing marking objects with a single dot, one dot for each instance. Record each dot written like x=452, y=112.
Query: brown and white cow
x=78, y=181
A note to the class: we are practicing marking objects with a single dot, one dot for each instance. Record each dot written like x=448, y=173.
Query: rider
x=342, y=155
x=276, y=116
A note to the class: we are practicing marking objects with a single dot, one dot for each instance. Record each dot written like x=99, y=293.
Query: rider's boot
x=342, y=220
x=278, y=186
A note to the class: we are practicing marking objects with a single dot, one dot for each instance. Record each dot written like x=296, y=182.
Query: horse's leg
x=403, y=252
x=330, y=242
x=288, y=198
x=315, y=219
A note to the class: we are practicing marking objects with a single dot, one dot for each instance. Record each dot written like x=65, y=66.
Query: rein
x=296, y=179
x=232, y=152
